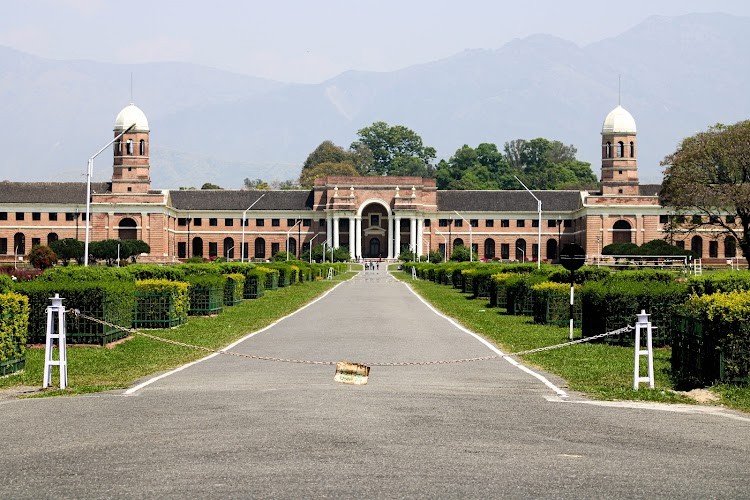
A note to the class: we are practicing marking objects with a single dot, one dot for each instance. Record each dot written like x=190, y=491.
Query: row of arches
x=619, y=150
x=229, y=250
x=130, y=147
x=19, y=242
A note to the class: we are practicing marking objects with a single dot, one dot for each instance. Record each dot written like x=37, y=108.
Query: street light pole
x=311, y=247
x=244, y=218
x=445, y=243
x=287, y=238
x=89, y=173
x=471, y=242
x=539, y=225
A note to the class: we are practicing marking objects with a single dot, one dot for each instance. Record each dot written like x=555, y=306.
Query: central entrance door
x=374, y=248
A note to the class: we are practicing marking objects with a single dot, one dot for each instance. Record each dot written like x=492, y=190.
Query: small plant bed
x=602, y=371
x=94, y=370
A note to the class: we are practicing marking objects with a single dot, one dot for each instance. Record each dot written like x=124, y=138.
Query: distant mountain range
x=679, y=75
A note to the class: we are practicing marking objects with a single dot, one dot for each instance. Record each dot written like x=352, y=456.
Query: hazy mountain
x=679, y=75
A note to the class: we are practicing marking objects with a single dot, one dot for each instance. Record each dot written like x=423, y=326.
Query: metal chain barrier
x=77, y=313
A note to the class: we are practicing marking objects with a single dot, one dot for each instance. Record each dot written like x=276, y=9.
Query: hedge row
x=14, y=323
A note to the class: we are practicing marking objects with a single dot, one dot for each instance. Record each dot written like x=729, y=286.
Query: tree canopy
x=708, y=176
x=396, y=150
x=210, y=185
x=256, y=184
x=344, y=168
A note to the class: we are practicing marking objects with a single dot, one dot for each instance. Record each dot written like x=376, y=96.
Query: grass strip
x=94, y=369
x=599, y=370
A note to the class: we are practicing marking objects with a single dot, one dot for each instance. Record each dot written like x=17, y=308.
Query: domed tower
x=619, y=164
x=131, y=163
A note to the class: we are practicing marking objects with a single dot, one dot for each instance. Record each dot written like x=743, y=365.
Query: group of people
x=371, y=266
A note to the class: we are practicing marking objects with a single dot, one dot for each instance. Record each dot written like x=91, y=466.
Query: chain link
x=133, y=331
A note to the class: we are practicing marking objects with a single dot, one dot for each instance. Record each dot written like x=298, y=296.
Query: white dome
x=129, y=115
x=619, y=121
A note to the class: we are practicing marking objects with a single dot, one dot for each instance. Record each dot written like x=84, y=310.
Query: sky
x=309, y=41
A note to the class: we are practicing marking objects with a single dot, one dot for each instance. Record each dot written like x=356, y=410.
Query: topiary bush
x=233, y=289
x=14, y=324
x=723, y=281
x=85, y=274
x=161, y=303
x=154, y=271
x=42, y=257
x=206, y=294
x=551, y=304
x=582, y=275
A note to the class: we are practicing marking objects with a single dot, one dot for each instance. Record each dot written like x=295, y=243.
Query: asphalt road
x=234, y=427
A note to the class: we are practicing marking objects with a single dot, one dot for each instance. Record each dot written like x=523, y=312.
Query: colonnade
x=393, y=234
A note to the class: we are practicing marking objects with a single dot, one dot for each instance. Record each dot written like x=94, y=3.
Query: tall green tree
x=308, y=176
x=396, y=150
x=326, y=152
x=708, y=176
x=210, y=185
x=545, y=164
x=68, y=248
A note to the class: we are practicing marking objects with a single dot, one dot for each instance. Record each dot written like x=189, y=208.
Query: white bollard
x=56, y=309
x=643, y=322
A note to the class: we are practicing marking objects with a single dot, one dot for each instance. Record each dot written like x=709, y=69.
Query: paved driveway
x=233, y=427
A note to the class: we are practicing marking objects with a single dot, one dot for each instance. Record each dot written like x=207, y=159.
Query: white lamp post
x=471, y=243
x=287, y=237
x=89, y=173
x=311, y=245
x=445, y=243
x=539, y=225
x=523, y=254
x=244, y=218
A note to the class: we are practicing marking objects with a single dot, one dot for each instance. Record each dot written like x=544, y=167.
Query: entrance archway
x=621, y=232
x=375, y=230
x=374, y=250
x=127, y=229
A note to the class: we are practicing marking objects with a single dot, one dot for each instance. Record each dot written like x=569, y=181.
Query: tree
x=42, y=257
x=104, y=250
x=481, y=168
x=461, y=253
x=708, y=176
x=133, y=248
x=308, y=176
x=209, y=185
x=256, y=184
x=436, y=257
x=396, y=150
x=68, y=248
x=326, y=152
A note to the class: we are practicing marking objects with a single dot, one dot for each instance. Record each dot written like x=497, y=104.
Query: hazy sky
x=312, y=40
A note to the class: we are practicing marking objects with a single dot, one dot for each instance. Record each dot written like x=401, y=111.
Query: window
x=246, y=222
x=321, y=223
x=696, y=219
x=260, y=222
x=3, y=215
x=229, y=248
x=275, y=222
x=489, y=223
x=142, y=148
x=534, y=222
x=83, y=216
x=664, y=219
x=441, y=248
x=713, y=249
x=458, y=223
x=374, y=220
x=474, y=222
x=118, y=147
x=680, y=219
x=489, y=248
x=427, y=223
x=3, y=246
x=19, y=215
x=129, y=189
x=213, y=222
x=632, y=149
x=213, y=249
x=608, y=150
x=130, y=146
x=443, y=222
x=291, y=222
x=567, y=223
x=505, y=251
x=52, y=216
x=181, y=250
x=198, y=222
x=52, y=237
x=275, y=248
x=70, y=216
x=551, y=223
x=619, y=172
x=404, y=223
x=620, y=150
x=35, y=242
x=520, y=223
x=504, y=222
x=306, y=222
x=228, y=222
x=36, y=216
x=182, y=221
x=730, y=247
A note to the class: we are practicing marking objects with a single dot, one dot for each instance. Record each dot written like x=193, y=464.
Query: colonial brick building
x=374, y=217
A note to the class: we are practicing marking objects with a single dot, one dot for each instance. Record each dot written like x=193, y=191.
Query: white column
x=358, y=233
x=329, y=230
x=396, y=237
x=413, y=234
x=335, y=242
x=352, y=242
x=420, y=236
x=390, y=237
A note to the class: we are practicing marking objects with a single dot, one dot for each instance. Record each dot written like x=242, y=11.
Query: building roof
x=507, y=201
x=129, y=115
x=220, y=199
x=619, y=121
x=49, y=192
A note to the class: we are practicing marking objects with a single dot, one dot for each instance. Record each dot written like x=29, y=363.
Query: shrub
x=551, y=303
x=723, y=281
x=86, y=274
x=282, y=256
x=6, y=283
x=68, y=248
x=436, y=257
x=14, y=323
x=206, y=294
x=233, y=289
x=161, y=303
x=518, y=292
x=620, y=249
x=42, y=257
x=154, y=271
x=641, y=275
x=461, y=253
x=582, y=275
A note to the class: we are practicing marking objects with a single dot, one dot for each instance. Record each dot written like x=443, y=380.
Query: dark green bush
x=161, y=303
x=518, y=292
x=6, y=283
x=90, y=273
x=552, y=304
x=582, y=275
x=154, y=271
x=206, y=294
x=724, y=281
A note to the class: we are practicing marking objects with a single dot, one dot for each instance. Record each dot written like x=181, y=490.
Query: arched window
x=19, y=244
x=608, y=150
x=521, y=250
x=632, y=149
x=457, y=242
x=130, y=146
x=260, y=248
x=293, y=246
x=621, y=232
x=730, y=247
x=118, y=147
x=127, y=229
x=197, y=247
x=696, y=245
x=51, y=237
x=142, y=147
x=489, y=248
x=228, y=248
x=620, y=149
x=551, y=249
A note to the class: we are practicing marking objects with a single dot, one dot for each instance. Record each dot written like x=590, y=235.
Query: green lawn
x=93, y=369
x=599, y=370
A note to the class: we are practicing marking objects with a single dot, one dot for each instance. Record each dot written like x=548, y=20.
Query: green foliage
x=6, y=283
x=551, y=303
x=582, y=275
x=233, y=289
x=436, y=257
x=258, y=184
x=723, y=281
x=326, y=152
x=155, y=271
x=407, y=256
x=210, y=185
x=206, y=293
x=343, y=169
x=197, y=259
x=396, y=150
x=653, y=247
x=341, y=254
x=14, y=323
x=620, y=249
x=86, y=274
x=282, y=256
x=641, y=275
x=161, y=303
x=461, y=253
x=107, y=299
x=131, y=249
x=67, y=249
x=42, y=257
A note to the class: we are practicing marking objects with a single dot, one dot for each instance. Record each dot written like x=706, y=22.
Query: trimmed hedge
x=143, y=272
x=712, y=341
x=233, y=289
x=551, y=304
x=106, y=300
x=724, y=281
x=206, y=294
x=161, y=303
x=518, y=292
x=6, y=283
x=582, y=275
x=90, y=273
x=14, y=324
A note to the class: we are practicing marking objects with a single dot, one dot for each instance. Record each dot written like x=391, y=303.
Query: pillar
x=390, y=237
x=352, y=239
x=413, y=234
x=358, y=233
x=329, y=230
x=335, y=242
x=420, y=236
x=396, y=237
